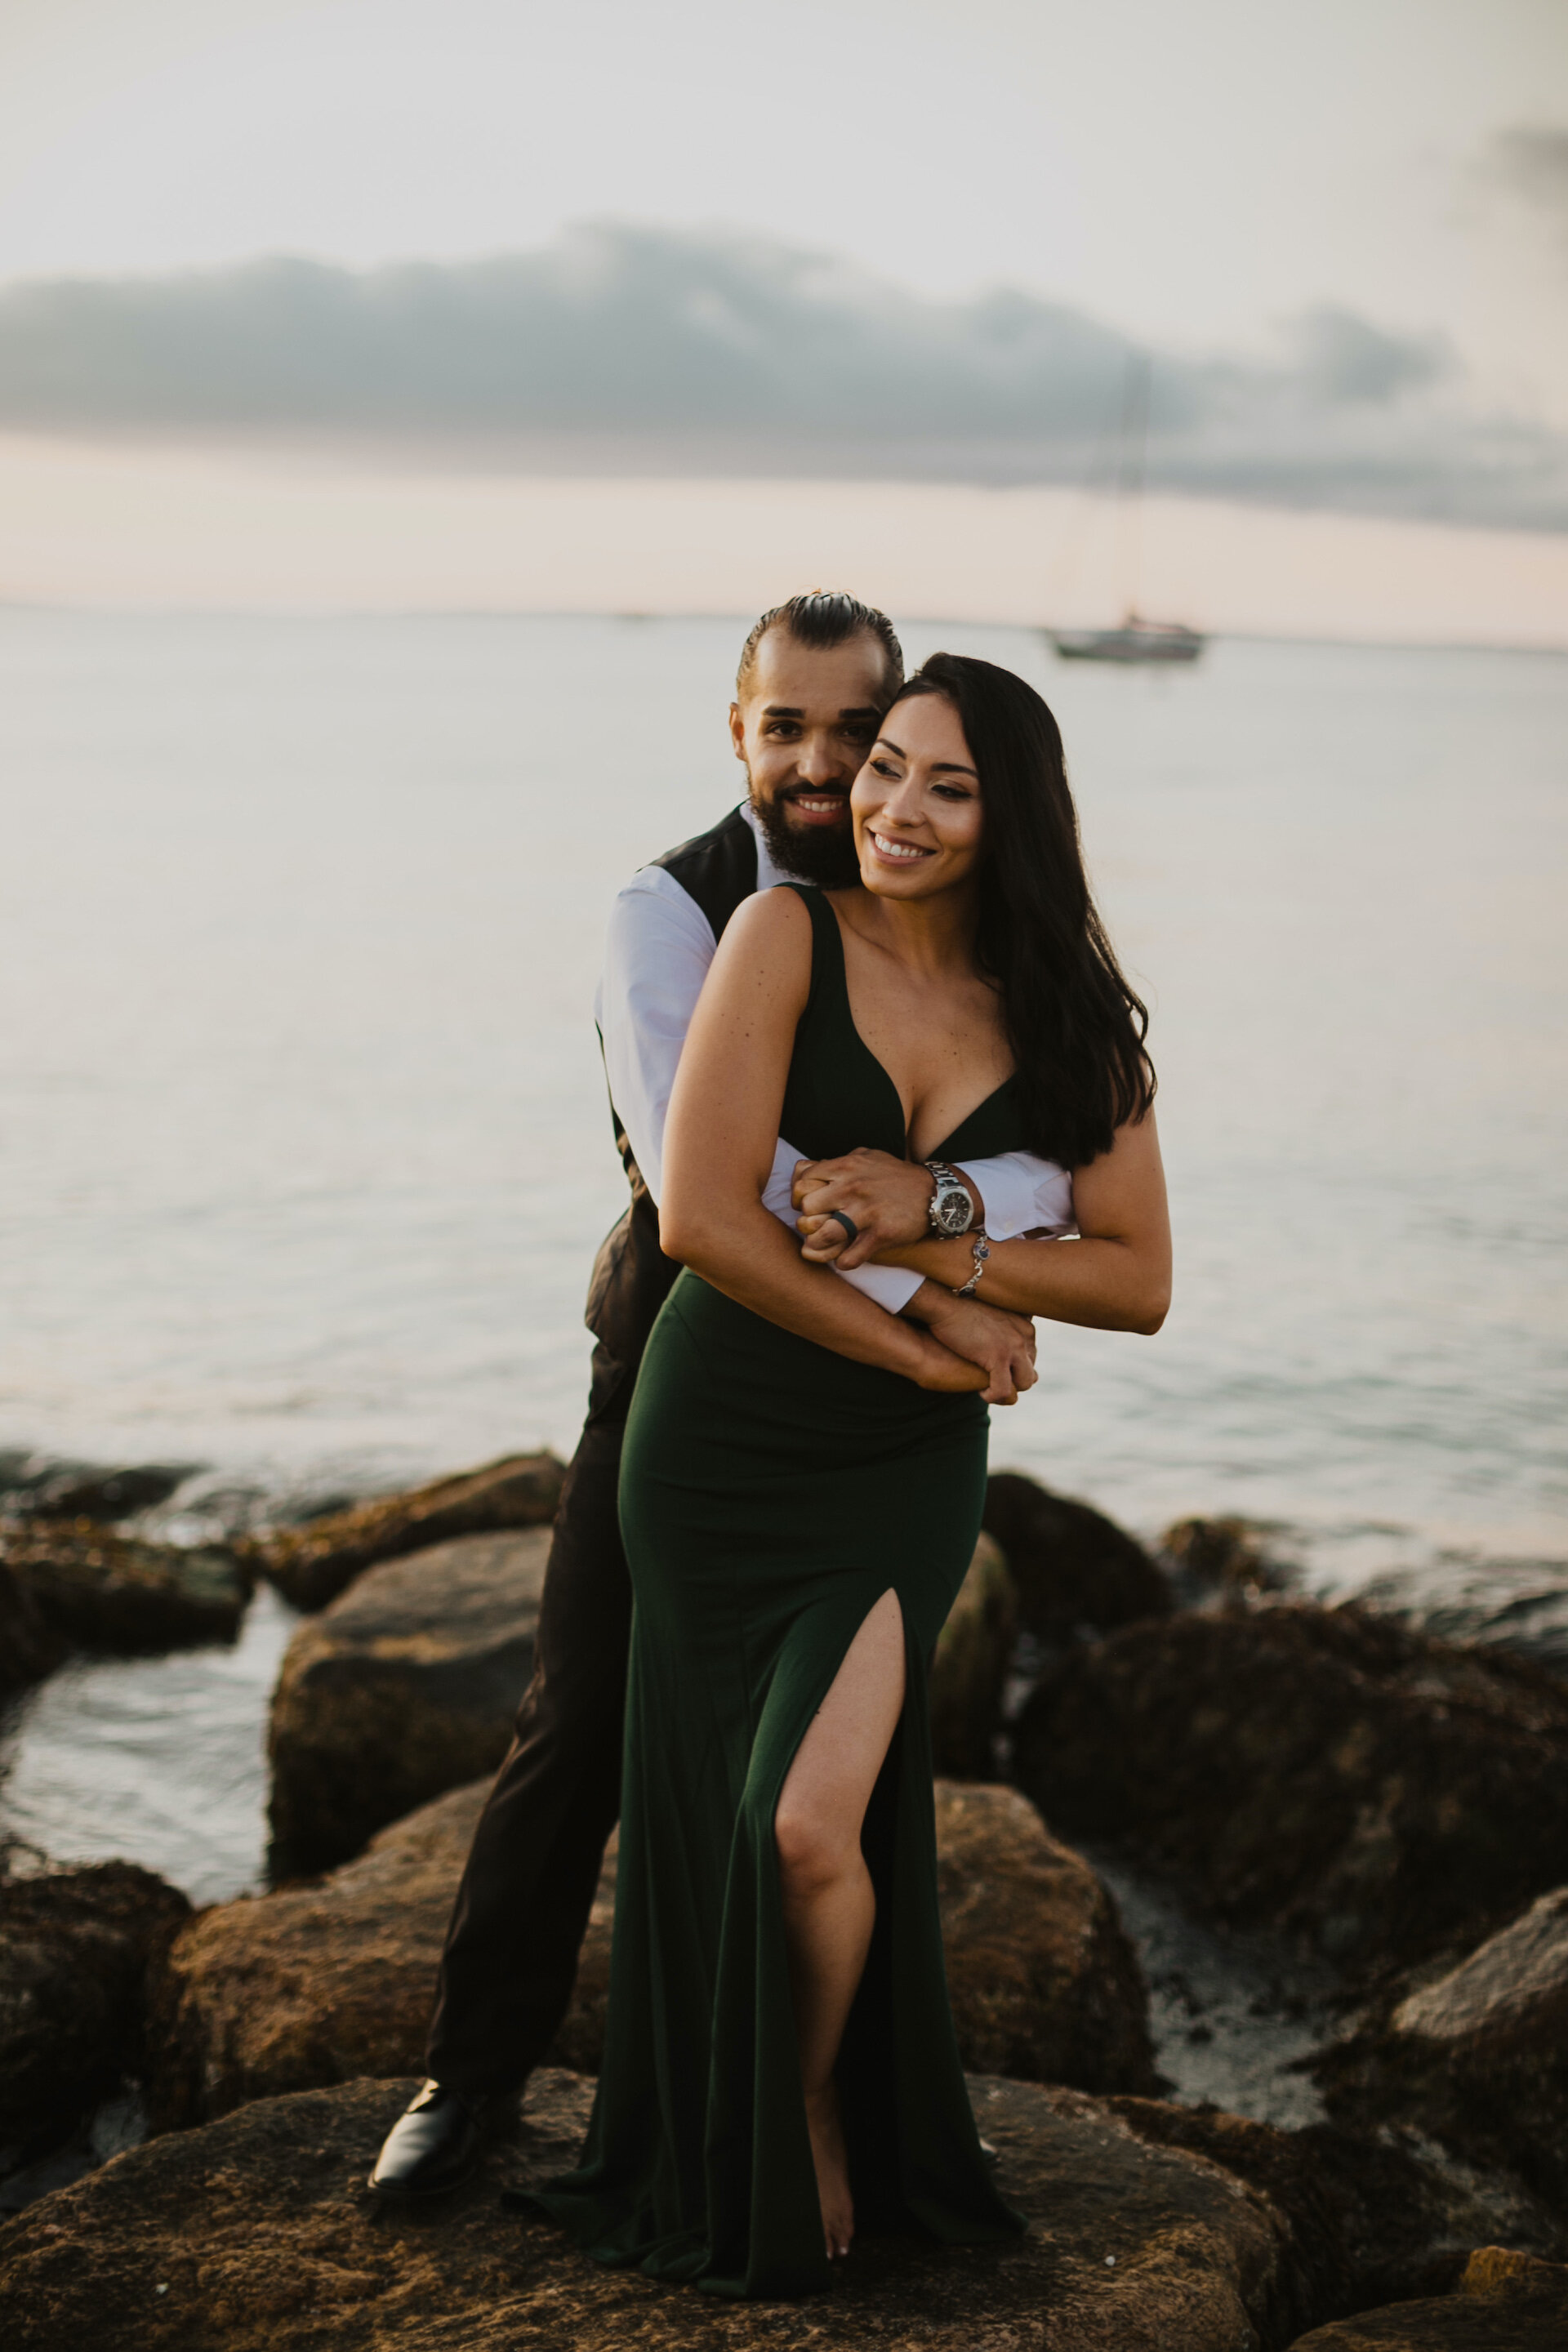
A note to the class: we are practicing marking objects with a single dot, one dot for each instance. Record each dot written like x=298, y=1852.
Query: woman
x=801, y=1492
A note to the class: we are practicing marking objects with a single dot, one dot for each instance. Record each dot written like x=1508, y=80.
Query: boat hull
x=1129, y=647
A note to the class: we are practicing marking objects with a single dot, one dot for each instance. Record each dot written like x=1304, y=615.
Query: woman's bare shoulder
x=765, y=955
x=771, y=929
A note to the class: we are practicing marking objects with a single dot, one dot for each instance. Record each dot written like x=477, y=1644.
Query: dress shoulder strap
x=826, y=944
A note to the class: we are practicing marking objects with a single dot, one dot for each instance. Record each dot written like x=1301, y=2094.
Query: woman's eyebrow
x=938, y=767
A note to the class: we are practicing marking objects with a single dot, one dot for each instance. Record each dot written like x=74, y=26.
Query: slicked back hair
x=821, y=618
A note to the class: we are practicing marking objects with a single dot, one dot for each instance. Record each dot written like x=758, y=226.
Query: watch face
x=952, y=1211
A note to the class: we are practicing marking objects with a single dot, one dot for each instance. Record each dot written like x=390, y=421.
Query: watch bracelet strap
x=946, y=1180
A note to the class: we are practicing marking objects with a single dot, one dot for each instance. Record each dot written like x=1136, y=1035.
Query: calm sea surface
x=303, y=1145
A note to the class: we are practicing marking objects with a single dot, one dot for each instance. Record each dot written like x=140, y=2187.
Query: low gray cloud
x=626, y=349
x=1531, y=161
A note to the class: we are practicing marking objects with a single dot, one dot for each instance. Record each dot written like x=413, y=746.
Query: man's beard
x=822, y=854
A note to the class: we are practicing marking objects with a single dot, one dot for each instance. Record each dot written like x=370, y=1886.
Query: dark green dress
x=770, y=1492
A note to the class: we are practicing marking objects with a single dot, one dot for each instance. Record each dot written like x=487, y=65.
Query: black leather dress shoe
x=434, y=2144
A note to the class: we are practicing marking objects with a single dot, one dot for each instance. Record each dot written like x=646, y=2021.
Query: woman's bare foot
x=832, y=2162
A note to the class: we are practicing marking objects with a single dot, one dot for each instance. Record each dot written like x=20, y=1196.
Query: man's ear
x=737, y=731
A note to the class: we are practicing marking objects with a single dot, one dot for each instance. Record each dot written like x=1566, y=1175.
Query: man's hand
x=887, y=1199
x=1003, y=1345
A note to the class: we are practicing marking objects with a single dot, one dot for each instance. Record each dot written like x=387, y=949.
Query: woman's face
x=916, y=802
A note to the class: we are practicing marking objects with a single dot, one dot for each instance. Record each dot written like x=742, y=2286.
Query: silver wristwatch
x=951, y=1210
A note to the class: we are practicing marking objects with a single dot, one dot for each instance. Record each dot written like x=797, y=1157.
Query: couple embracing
x=881, y=1093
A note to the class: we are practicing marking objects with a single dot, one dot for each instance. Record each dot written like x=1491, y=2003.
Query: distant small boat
x=1136, y=640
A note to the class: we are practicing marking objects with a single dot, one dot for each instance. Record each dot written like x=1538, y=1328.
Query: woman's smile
x=896, y=853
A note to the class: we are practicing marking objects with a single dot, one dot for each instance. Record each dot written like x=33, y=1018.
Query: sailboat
x=1138, y=640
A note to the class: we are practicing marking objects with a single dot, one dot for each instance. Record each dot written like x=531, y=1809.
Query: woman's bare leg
x=829, y=1904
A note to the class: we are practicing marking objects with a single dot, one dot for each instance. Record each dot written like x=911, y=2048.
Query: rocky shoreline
x=1372, y=1818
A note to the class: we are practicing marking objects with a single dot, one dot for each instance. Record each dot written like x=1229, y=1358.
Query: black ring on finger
x=851, y=1229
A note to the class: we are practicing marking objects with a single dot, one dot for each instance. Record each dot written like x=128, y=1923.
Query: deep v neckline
x=938, y=1152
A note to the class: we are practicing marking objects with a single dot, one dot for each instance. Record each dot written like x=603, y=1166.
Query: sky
x=862, y=242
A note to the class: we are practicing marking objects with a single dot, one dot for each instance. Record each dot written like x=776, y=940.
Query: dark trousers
x=523, y=1907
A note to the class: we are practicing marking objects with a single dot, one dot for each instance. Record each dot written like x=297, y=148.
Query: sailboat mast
x=1131, y=470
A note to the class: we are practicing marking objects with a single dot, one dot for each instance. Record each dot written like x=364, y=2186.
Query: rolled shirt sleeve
x=1022, y=1194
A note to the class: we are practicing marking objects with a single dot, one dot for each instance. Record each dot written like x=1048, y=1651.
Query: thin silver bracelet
x=981, y=1252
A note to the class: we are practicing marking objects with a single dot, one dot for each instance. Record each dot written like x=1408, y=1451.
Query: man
x=814, y=678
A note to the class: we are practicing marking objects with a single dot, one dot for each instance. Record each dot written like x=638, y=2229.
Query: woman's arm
x=719, y=1145
x=1115, y=1277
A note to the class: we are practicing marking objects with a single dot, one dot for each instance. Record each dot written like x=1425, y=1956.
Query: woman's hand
x=999, y=1344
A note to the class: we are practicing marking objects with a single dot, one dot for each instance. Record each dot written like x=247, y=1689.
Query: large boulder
x=76, y=1948
x=970, y=1668
x=92, y=1589
x=70, y=1490
x=317, y=1984
x=312, y=1564
x=1477, y=2056
x=1504, y=2300
x=258, y=2233
x=1318, y=1770
x=402, y=1687
x=1074, y=1569
x=1044, y=1981
x=1372, y=2220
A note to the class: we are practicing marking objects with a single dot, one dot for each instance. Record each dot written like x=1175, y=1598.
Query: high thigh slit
x=772, y=1492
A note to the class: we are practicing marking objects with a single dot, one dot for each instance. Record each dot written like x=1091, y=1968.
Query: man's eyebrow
x=938, y=767
x=855, y=710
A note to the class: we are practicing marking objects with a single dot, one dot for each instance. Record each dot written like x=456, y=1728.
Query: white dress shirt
x=656, y=955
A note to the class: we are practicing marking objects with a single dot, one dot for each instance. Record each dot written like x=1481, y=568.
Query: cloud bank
x=625, y=349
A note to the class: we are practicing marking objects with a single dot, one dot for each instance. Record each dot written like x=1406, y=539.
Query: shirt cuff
x=891, y=1286
x=1006, y=1185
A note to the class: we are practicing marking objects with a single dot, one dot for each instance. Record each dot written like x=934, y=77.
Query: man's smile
x=816, y=805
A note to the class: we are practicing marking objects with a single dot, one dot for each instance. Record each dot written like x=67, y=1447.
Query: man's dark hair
x=821, y=618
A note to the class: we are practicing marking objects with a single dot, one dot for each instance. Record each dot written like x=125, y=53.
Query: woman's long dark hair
x=1076, y=1026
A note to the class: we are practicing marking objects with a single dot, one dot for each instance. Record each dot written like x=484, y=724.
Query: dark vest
x=632, y=1276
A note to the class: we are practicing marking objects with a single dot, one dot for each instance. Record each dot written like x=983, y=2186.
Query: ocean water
x=304, y=1151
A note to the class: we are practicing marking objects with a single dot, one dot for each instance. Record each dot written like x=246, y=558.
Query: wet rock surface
x=1071, y=1566
x=311, y=1565
x=317, y=1984
x=92, y=1589
x=1477, y=2055
x=28, y=1651
x=1228, y=1555
x=1319, y=1771
x=403, y=1687
x=258, y=2231
x=1371, y=2221
x=970, y=1667
x=76, y=1949
x=1502, y=2302
x=42, y=1483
